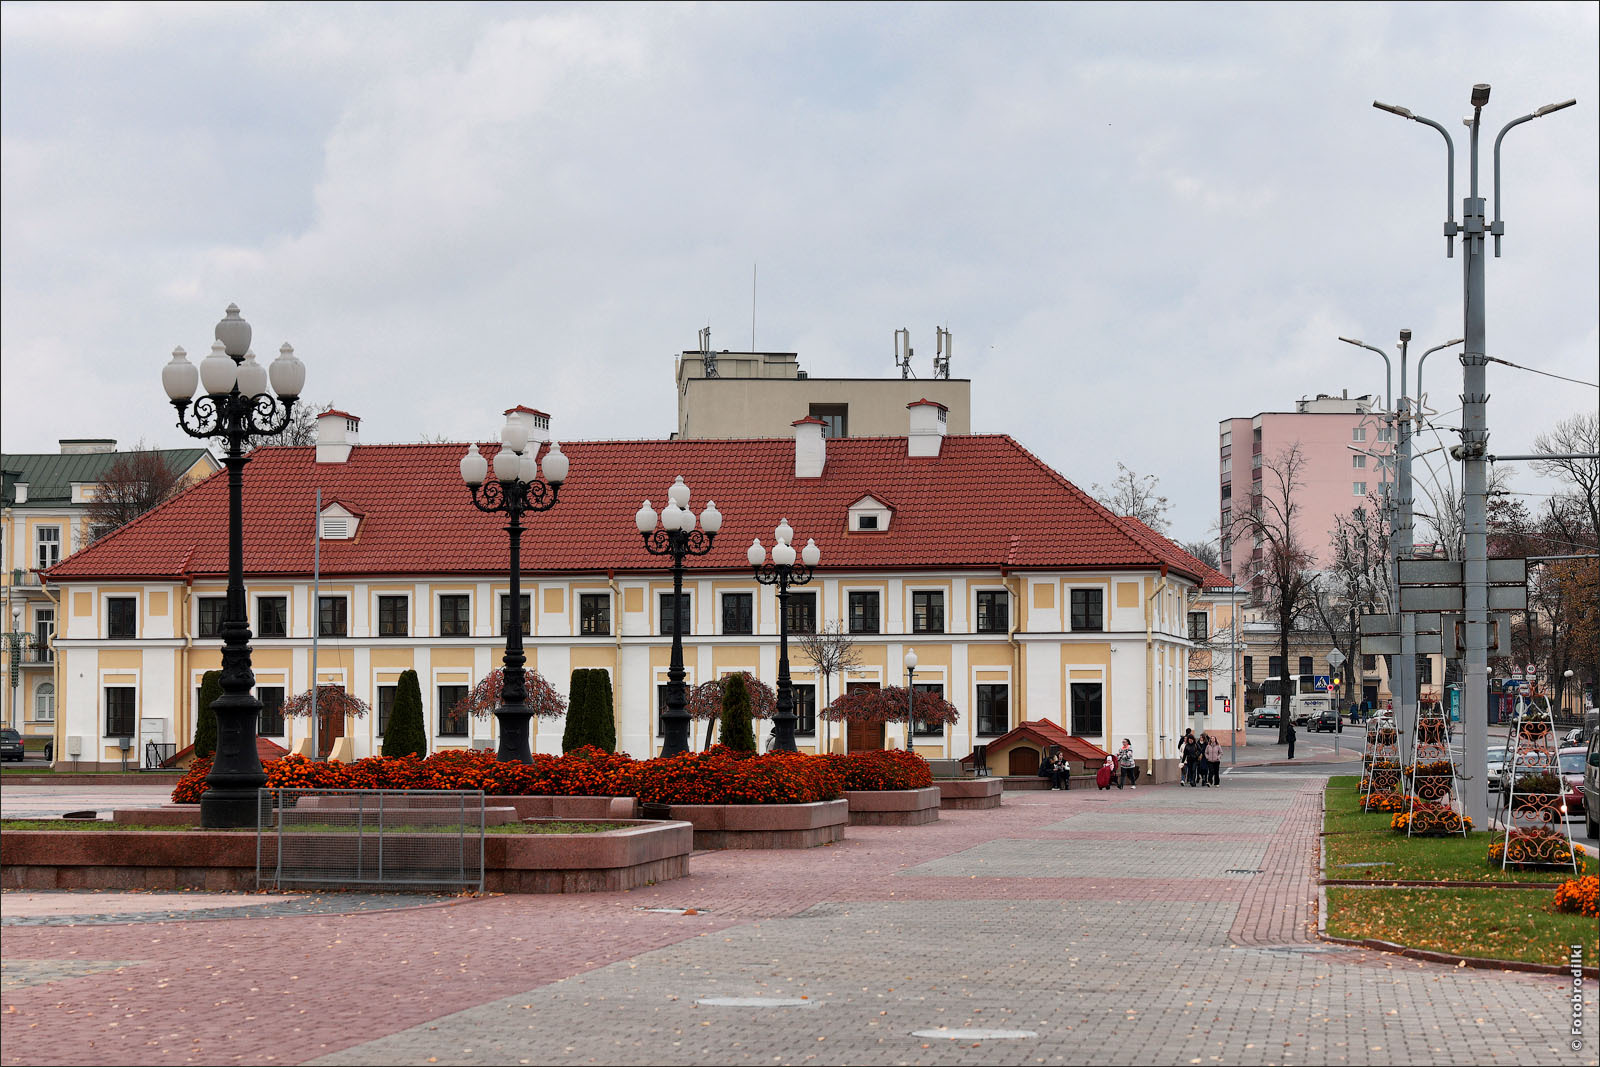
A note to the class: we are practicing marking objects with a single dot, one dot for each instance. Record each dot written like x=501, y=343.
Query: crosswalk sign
x=1322, y=683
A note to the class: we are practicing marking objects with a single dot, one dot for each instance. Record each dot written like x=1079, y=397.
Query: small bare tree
x=136, y=482
x=1286, y=581
x=831, y=651
x=1134, y=494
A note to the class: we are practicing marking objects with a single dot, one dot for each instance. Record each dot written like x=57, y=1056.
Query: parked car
x=1572, y=737
x=1590, y=787
x=1327, y=722
x=1267, y=717
x=10, y=744
x=1497, y=766
x=1571, y=762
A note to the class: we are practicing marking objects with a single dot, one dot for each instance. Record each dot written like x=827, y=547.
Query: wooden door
x=1022, y=760
x=863, y=736
x=330, y=727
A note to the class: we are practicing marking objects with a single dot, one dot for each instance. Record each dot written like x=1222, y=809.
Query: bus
x=1303, y=706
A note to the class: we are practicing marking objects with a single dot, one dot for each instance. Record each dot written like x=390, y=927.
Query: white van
x=1307, y=708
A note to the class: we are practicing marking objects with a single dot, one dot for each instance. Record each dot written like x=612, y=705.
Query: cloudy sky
x=1135, y=219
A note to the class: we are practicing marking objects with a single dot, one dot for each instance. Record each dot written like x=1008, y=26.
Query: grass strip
x=1421, y=859
x=1499, y=924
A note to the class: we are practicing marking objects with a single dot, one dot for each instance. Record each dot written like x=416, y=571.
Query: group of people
x=1119, y=769
x=1201, y=759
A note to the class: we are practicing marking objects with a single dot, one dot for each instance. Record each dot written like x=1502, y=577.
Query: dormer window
x=337, y=523
x=870, y=514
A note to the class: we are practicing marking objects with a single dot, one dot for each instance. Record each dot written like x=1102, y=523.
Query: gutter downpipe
x=1011, y=638
x=1149, y=674
x=616, y=685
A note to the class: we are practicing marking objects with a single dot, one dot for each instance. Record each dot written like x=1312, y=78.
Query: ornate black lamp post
x=677, y=537
x=236, y=406
x=783, y=572
x=515, y=490
x=911, y=695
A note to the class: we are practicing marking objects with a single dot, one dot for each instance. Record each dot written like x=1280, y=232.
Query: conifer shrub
x=205, y=723
x=738, y=733
x=406, y=734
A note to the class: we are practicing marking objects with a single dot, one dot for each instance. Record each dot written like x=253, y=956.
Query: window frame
x=1100, y=710
x=685, y=613
x=442, y=708
x=724, y=600
x=1073, y=593
x=984, y=708
x=505, y=613
x=1204, y=629
x=268, y=708
x=385, y=694
x=132, y=710
x=801, y=602
x=805, y=709
x=133, y=617
x=283, y=616
x=40, y=691
x=594, y=614
x=919, y=728
x=855, y=596
x=218, y=606
x=1203, y=691
x=921, y=618
x=983, y=625
x=458, y=626
x=339, y=623
x=386, y=626
x=39, y=543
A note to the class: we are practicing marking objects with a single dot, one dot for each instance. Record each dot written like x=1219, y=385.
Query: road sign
x=1431, y=598
x=1320, y=683
x=1448, y=572
x=1455, y=635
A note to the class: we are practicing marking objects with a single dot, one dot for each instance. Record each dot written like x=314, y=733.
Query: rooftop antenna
x=752, y=307
x=708, y=358
x=903, y=352
x=941, y=356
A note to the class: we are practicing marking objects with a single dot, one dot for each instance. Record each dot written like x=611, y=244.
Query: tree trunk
x=1285, y=705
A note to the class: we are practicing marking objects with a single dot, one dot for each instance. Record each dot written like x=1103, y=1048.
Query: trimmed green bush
x=405, y=733
x=589, y=719
x=738, y=733
x=205, y=723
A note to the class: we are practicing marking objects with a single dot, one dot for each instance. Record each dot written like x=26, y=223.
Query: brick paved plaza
x=1103, y=927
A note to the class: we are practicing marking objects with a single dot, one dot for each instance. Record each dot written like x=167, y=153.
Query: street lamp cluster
x=676, y=536
x=783, y=572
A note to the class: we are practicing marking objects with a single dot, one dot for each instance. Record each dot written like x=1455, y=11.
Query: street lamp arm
x=1498, y=227
x=265, y=413
x=201, y=419
x=1447, y=344
x=770, y=573
x=1388, y=369
x=1449, y=168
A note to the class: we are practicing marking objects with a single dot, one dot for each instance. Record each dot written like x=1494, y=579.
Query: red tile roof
x=984, y=502
x=1045, y=733
x=1177, y=557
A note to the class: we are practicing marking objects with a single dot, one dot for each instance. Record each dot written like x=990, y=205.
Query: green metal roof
x=49, y=475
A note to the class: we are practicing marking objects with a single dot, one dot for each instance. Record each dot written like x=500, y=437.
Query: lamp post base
x=228, y=809
x=514, y=734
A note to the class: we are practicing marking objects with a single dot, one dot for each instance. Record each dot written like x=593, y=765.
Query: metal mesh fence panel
x=389, y=838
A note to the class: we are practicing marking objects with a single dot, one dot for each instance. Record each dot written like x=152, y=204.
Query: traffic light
x=1227, y=706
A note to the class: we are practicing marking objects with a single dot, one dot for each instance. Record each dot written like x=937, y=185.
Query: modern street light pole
x=516, y=490
x=235, y=406
x=911, y=694
x=783, y=572
x=678, y=538
x=1474, y=447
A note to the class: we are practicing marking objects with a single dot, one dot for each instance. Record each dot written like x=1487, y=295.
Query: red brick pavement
x=290, y=989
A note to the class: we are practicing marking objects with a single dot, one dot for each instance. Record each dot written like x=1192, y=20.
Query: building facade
x=44, y=520
x=1022, y=596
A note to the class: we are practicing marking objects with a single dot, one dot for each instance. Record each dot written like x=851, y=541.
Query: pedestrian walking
x=1128, y=765
x=1291, y=740
x=1188, y=757
x=1213, y=760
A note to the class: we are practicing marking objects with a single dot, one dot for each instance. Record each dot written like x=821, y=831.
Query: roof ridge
x=1116, y=521
x=96, y=547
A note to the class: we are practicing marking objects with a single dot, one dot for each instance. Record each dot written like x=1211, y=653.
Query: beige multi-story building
x=45, y=519
x=1022, y=596
x=758, y=394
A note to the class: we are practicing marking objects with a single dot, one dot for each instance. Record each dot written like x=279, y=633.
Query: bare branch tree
x=1135, y=494
x=136, y=482
x=1285, y=581
x=831, y=651
x=1204, y=551
x=1579, y=435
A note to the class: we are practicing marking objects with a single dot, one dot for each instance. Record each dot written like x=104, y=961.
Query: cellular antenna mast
x=903, y=352
x=941, y=355
x=708, y=358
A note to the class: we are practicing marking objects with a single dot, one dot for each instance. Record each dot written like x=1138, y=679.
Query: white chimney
x=86, y=446
x=337, y=434
x=537, y=423
x=21, y=489
x=810, y=447
x=928, y=421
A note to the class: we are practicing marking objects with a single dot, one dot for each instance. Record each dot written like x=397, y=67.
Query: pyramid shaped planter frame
x=1535, y=816
x=1381, y=773
x=1434, y=786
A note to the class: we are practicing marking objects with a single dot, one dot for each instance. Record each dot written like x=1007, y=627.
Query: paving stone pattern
x=1083, y=917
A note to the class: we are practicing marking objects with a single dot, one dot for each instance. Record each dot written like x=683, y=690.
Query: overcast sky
x=1135, y=219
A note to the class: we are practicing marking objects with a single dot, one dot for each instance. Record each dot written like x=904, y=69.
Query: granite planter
x=893, y=807
x=718, y=826
x=966, y=793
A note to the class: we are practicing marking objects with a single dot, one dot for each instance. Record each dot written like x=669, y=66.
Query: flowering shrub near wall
x=717, y=776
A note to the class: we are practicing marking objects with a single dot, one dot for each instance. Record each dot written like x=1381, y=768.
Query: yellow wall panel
x=159, y=603
x=125, y=659
x=1099, y=652
x=633, y=600
x=591, y=657
x=83, y=604
x=554, y=600
x=726, y=659
x=1127, y=594
x=988, y=655
x=452, y=658
x=392, y=659
x=1044, y=595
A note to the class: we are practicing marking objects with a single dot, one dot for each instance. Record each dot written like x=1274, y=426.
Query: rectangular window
x=1197, y=696
x=122, y=613
x=802, y=613
x=738, y=613
x=684, y=623
x=455, y=615
x=272, y=616
x=994, y=616
x=44, y=632
x=386, y=695
x=213, y=611
x=526, y=613
x=119, y=711
x=1274, y=667
x=1249, y=669
x=1368, y=664
x=271, y=722
x=1088, y=609
x=1305, y=665
x=1424, y=670
x=927, y=612
x=1358, y=461
x=994, y=711
x=661, y=710
x=805, y=710
x=394, y=616
x=1197, y=626
x=867, y=522
x=47, y=539
x=1087, y=709
x=1386, y=433
x=333, y=616
x=1358, y=488
x=863, y=613
x=452, y=716
x=1227, y=465
x=1358, y=433
x=925, y=729
x=835, y=419
x=1227, y=438
x=594, y=614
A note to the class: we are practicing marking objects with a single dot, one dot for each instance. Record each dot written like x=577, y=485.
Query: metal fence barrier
x=394, y=838
x=158, y=752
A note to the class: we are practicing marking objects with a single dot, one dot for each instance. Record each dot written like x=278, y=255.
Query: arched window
x=44, y=702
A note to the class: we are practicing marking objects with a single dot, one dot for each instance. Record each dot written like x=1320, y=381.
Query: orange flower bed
x=717, y=776
x=1384, y=802
x=1425, y=818
x=1579, y=895
x=1535, y=847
